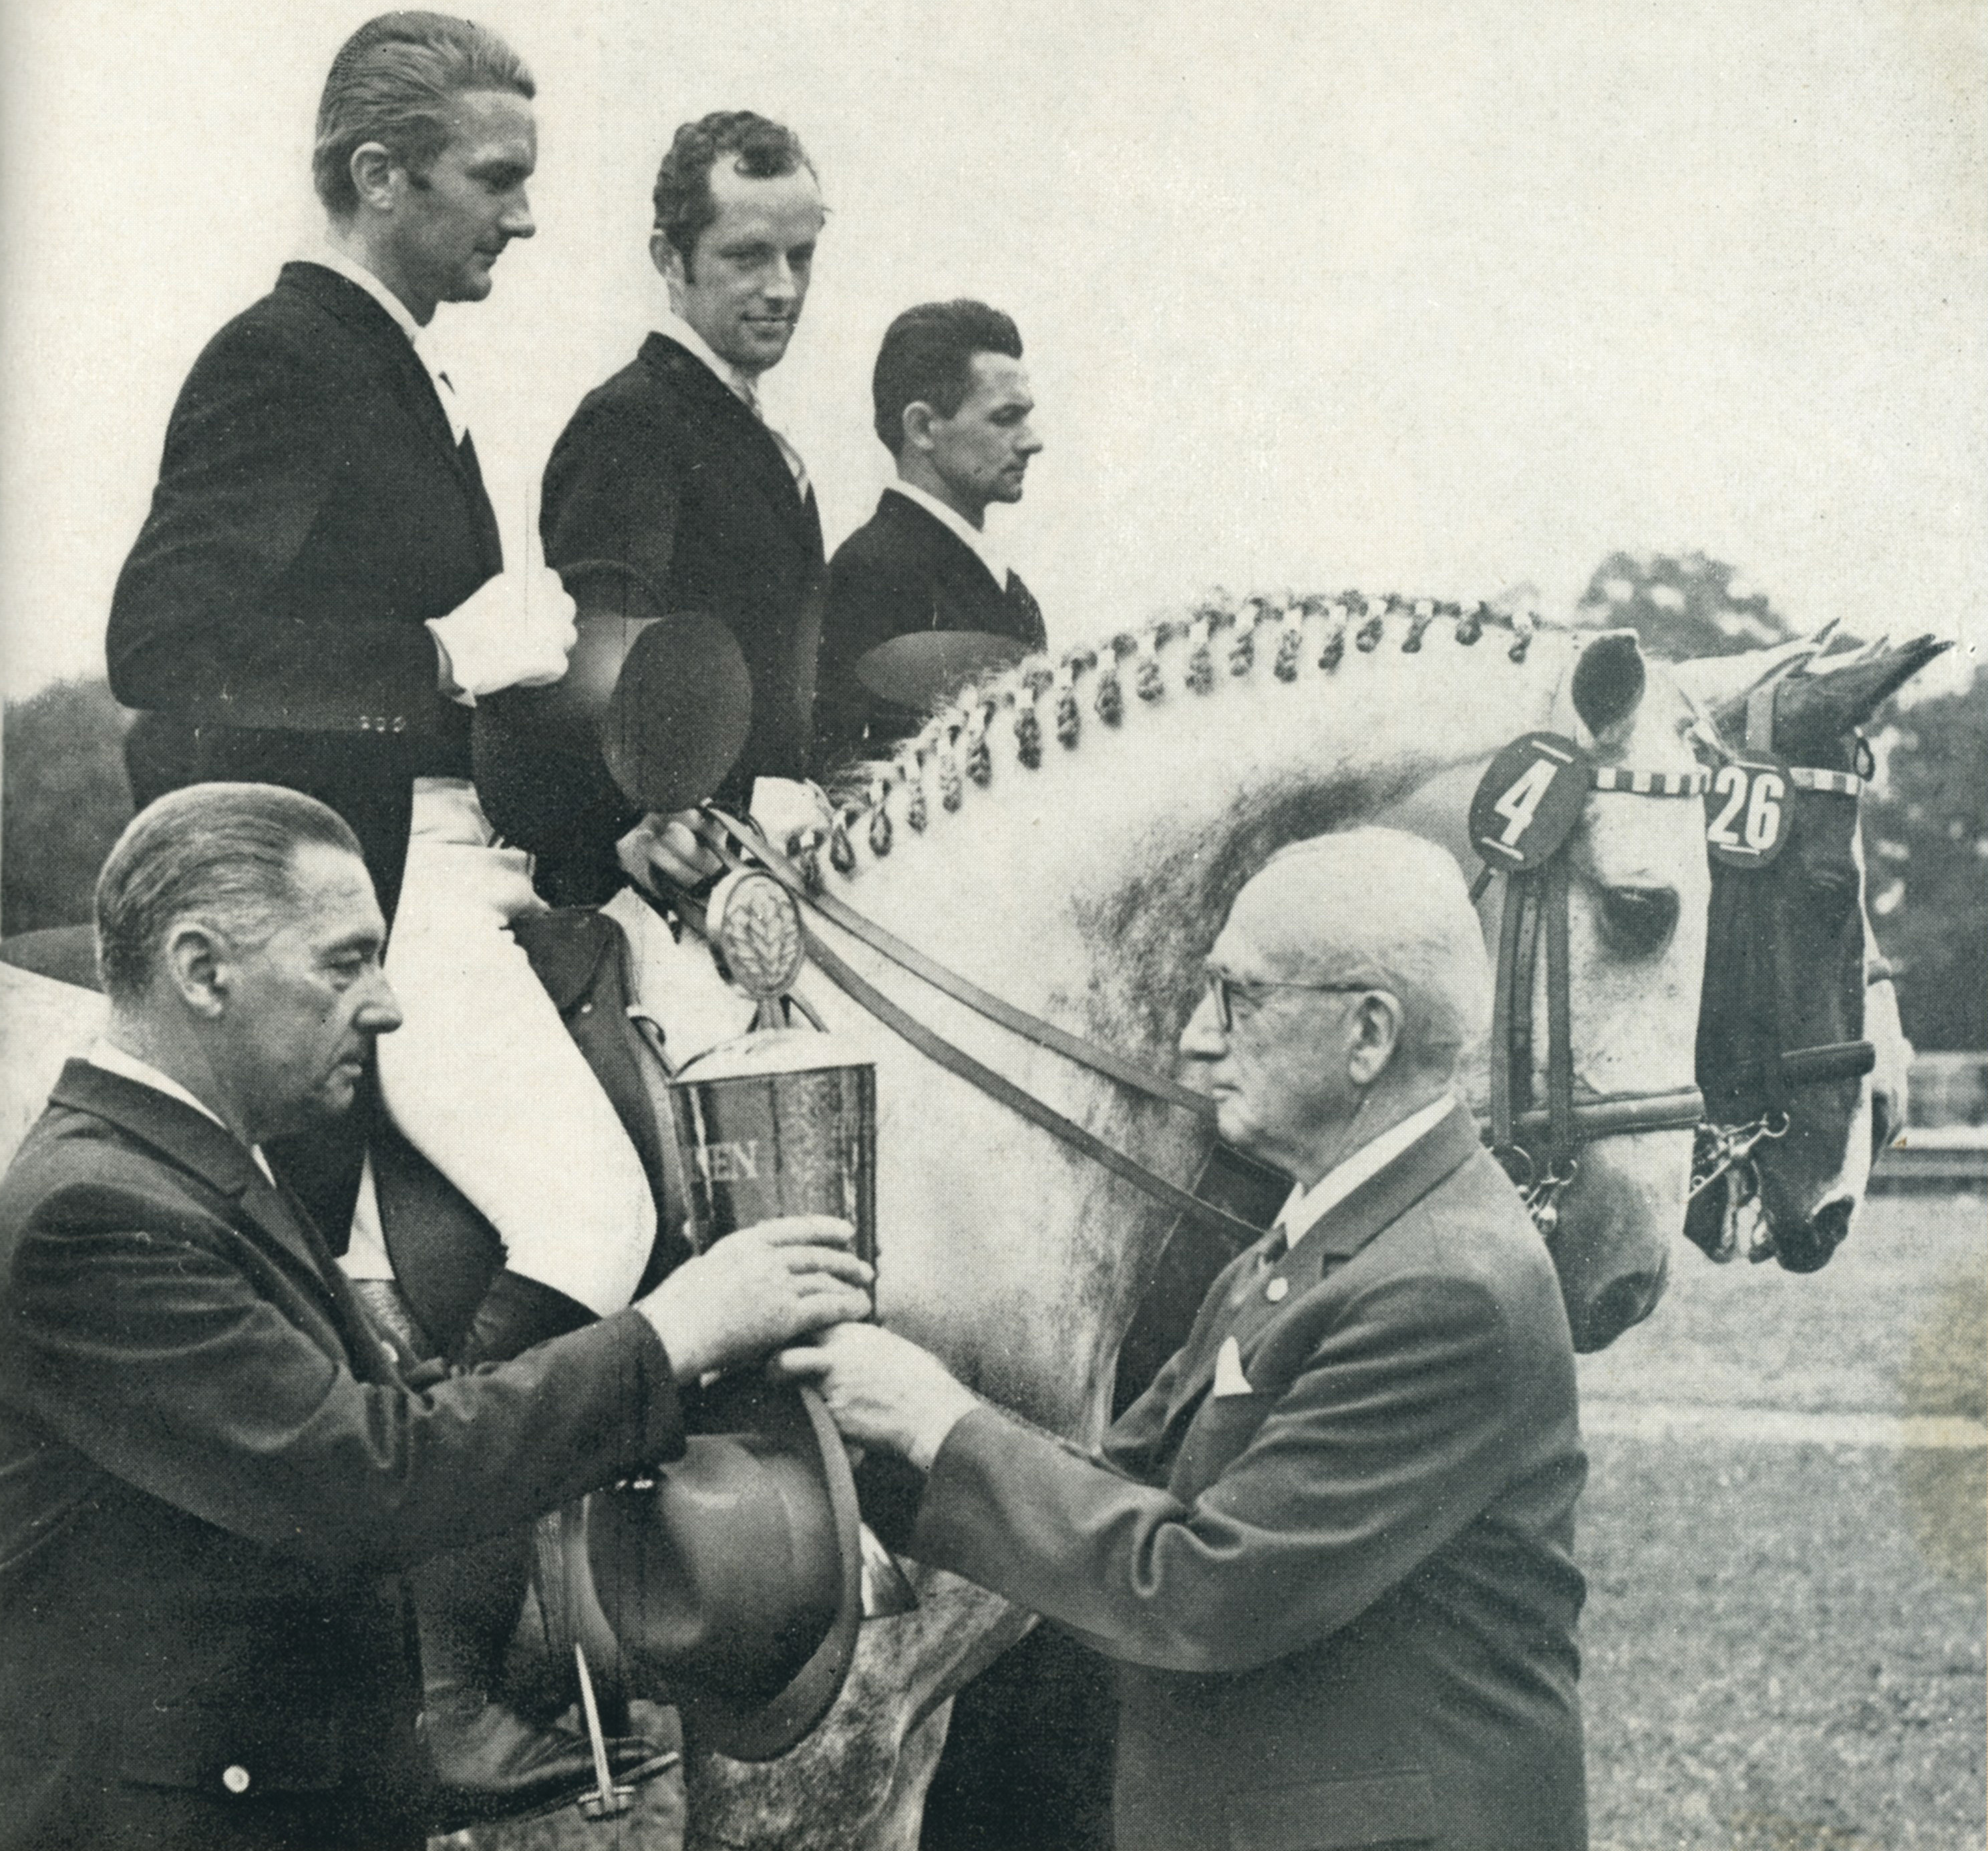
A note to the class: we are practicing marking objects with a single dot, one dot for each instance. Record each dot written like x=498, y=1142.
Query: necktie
x=789, y=454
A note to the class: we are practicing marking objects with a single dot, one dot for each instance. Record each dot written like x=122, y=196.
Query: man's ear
x=372, y=168
x=669, y=265
x=1377, y=1033
x=918, y=419
x=197, y=966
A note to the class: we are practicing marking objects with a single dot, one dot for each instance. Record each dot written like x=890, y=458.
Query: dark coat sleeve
x=203, y=623
x=875, y=593
x=1382, y=1449
x=611, y=491
x=135, y=1339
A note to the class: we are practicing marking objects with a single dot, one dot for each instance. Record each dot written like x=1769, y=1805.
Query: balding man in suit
x=1331, y=1546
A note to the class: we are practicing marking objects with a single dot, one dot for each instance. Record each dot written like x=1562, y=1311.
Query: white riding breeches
x=483, y=1080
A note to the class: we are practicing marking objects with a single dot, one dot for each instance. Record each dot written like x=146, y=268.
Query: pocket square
x=1229, y=1379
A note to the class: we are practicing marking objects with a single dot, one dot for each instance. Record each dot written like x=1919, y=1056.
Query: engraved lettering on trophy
x=730, y=1162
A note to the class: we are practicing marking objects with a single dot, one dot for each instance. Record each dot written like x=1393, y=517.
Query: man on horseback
x=952, y=406
x=212, y=1467
x=318, y=598
x=1331, y=1545
x=669, y=473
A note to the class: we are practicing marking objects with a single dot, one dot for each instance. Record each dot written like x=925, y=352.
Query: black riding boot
x=491, y=1762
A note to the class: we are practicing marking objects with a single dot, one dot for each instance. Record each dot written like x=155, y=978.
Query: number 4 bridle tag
x=1529, y=801
x=1746, y=811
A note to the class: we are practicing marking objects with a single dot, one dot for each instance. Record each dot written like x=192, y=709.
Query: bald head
x=1373, y=908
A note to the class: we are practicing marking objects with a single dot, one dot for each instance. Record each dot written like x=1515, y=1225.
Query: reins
x=949, y=983
x=957, y=1061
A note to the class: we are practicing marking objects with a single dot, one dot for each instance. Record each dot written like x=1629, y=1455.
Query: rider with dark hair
x=685, y=205
x=952, y=406
x=670, y=471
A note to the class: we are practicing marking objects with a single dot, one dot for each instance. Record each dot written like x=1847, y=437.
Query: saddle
x=445, y=1253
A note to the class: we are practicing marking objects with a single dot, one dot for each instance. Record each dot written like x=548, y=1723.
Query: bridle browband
x=1765, y=1071
x=1515, y=1123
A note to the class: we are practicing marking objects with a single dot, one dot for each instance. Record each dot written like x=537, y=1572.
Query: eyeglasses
x=1223, y=989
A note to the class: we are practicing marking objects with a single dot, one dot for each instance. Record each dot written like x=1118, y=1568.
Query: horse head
x=1785, y=1048
x=1637, y=906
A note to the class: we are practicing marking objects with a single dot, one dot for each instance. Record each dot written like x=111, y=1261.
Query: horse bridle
x=1765, y=1071
x=1530, y=895
x=1540, y=1145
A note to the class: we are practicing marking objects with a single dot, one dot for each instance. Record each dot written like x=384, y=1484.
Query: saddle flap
x=445, y=1253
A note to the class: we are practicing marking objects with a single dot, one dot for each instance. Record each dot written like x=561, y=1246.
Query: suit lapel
x=730, y=423
x=399, y=366
x=194, y=1143
x=1228, y=1298
x=1347, y=1227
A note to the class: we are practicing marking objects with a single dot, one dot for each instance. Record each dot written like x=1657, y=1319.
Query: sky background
x=1411, y=296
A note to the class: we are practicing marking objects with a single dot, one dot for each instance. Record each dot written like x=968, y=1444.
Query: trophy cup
x=780, y=1122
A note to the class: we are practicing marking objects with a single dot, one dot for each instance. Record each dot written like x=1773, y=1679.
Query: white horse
x=1070, y=838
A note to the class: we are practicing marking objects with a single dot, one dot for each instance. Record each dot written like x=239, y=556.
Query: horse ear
x=1719, y=685
x=1608, y=684
x=1814, y=710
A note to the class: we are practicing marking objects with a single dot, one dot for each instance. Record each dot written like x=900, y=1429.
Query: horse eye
x=1639, y=921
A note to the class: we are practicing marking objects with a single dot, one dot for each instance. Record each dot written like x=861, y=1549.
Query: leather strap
x=935, y=1048
x=1504, y=1013
x=1560, y=1138
x=1018, y=1021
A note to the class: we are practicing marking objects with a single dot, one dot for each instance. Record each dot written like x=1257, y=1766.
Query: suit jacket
x=312, y=512
x=1345, y=1596
x=210, y=1470
x=903, y=571
x=664, y=469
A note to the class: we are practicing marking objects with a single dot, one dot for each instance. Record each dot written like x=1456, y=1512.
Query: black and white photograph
x=994, y=929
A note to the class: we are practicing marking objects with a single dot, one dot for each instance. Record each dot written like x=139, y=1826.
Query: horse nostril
x=1639, y=921
x=1807, y=1247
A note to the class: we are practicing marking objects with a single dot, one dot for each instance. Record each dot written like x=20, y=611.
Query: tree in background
x=1925, y=834
x=1925, y=823
x=63, y=798
x=1681, y=605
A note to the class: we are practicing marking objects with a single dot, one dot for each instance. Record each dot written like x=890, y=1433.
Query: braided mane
x=1222, y=636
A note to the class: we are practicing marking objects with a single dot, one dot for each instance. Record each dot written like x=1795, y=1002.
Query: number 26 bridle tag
x=1746, y=811
x=1529, y=801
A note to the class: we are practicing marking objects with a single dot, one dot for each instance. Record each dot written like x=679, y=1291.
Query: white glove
x=671, y=845
x=516, y=631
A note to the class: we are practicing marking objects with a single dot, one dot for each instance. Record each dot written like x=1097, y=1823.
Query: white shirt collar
x=114, y=1060
x=329, y=254
x=983, y=548
x=739, y=384
x=1308, y=1208
x=331, y=257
